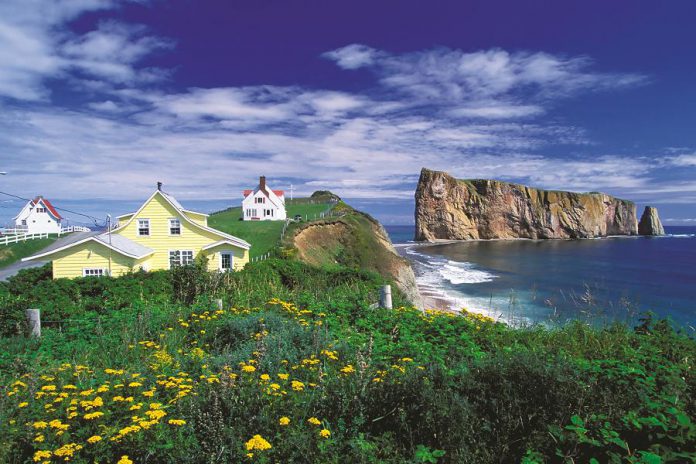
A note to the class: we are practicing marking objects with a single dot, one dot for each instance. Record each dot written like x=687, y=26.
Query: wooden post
x=385, y=299
x=218, y=303
x=34, y=318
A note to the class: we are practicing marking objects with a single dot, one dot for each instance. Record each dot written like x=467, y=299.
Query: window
x=260, y=200
x=268, y=212
x=251, y=212
x=40, y=209
x=226, y=260
x=143, y=227
x=94, y=272
x=174, y=227
x=180, y=258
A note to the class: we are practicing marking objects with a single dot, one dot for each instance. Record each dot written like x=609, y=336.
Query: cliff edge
x=453, y=209
x=355, y=239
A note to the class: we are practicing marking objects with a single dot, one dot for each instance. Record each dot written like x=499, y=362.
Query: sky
x=100, y=99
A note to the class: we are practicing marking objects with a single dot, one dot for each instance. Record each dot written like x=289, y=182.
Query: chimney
x=159, y=186
x=262, y=183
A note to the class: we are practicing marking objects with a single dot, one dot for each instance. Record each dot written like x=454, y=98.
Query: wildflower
x=257, y=442
x=48, y=388
x=39, y=438
x=349, y=369
x=93, y=439
x=407, y=360
x=314, y=421
x=40, y=425
x=67, y=451
x=297, y=385
x=283, y=376
x=247, y=368
x=177, y=422
x=324, y=433
x=23, y=404
x=250, y=455
x=93, y=415
x=155, y=405
x=41, y=455
x=284, y=420
x=265, y=377
x=135, y=384
x=124, y=460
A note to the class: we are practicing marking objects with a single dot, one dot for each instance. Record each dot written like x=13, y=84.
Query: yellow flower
x=257, y=442
x=93, y=439
x=93, y=415
x=155, y=405
x=48, y=388
x=324, y=433
x=250, y=455
x=124, y=460
x=23, y=404
x=314, y=421
x=247, y=368
x=349, y=369
x=284, y=420
x=265, y=377
x=135, y=384
x=297, y=385
x=39, y=438
x=177, y=422
x=41, y=455
x=283, y=376
x=67, y=451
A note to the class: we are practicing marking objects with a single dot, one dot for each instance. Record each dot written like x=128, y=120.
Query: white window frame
x=180, y=258
x=148, y=227
x=94, y=272
x=231, y=255
x=172, y=227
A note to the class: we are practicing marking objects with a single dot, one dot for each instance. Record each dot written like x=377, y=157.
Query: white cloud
x=353, y=56
x=36, y=46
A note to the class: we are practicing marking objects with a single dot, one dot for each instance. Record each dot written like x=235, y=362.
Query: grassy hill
x=264, y=235
x=13, y=252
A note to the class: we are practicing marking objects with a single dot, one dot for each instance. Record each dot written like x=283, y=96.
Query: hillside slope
x=356, y=240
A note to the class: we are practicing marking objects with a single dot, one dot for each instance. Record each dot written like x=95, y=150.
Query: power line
x=96, y=220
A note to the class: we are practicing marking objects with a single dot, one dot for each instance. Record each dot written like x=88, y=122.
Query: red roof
x=279, y=193
x=48, y=205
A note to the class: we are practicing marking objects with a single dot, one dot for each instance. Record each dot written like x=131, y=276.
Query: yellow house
x=160, y=235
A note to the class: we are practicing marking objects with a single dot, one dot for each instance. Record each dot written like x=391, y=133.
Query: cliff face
x=650, y=223
x=356, y=240
x=452, y=209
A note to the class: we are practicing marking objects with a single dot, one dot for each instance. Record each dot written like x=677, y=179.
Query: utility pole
x=108, y=228
x=292, y=189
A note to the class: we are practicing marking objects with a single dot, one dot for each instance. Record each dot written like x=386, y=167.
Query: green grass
x=263, y=235
x=13, y=252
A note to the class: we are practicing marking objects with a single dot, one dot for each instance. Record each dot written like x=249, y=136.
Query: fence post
x=218, y=303
x=34, y=318
x=385, y=299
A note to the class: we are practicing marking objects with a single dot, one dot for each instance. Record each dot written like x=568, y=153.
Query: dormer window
x=174, y=226
x=143, y=227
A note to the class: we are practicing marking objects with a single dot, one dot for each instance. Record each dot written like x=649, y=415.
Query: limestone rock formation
x=452, y=209
x=650, y=223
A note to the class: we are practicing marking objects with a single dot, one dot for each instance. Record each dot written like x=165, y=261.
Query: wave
x=464, y=273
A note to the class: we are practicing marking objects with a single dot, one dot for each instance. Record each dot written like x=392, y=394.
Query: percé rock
x=650, y=223
x=452, y=209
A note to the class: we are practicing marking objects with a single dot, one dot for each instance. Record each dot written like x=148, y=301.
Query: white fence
x=20, y=238
x=67, y=230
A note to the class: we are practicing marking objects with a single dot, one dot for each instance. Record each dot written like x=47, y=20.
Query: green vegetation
x=13, y=252
x=264, y=235
x=298, y=367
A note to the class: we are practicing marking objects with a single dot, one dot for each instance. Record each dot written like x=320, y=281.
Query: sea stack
x=650, y=222
x=453, y=209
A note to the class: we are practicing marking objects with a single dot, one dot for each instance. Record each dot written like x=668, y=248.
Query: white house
x=263, y=204
x=39, y=217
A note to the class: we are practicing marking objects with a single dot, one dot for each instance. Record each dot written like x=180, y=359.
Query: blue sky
x=99, y=99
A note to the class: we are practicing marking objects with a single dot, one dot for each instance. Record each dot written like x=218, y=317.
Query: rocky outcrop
x=452, y=209
x=650, y=223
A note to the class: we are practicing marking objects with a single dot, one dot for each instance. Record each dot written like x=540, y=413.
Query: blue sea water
x=615, y=278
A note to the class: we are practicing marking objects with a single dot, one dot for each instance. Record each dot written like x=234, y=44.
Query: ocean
x=530, y=281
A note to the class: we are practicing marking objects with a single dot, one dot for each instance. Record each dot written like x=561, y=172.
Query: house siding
x=241, y=257
x=159, y=211
x=70, y=263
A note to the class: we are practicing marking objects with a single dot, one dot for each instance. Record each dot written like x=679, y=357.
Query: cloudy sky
x=99, y=99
